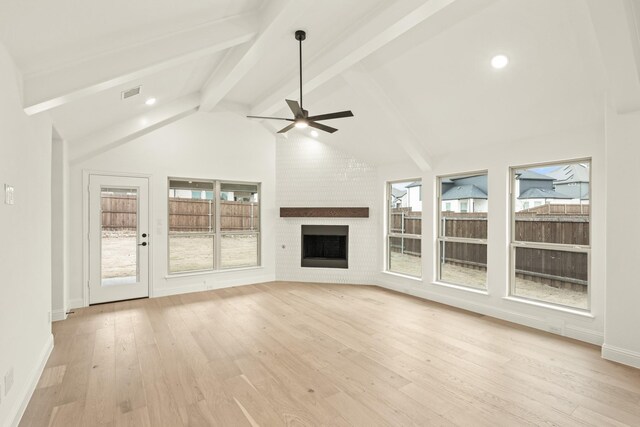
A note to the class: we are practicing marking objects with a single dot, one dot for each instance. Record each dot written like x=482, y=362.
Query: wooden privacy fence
x=558, y=268
x=405, y=221
x=185, y=215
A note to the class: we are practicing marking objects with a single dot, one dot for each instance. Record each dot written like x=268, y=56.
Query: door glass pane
x=464, y=264
x=558, y=277
x=405, y=256
x=119, y=230
x=239, y=250
x=190, y=252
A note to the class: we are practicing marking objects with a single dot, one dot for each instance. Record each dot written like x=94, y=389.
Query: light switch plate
x=8, y=194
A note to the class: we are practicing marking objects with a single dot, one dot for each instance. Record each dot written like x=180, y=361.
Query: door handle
x=143, y=244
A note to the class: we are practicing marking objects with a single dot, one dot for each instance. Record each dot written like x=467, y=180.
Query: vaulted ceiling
x=416, y=73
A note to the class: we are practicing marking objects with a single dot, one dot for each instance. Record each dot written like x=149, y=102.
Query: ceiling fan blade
x=287, y=128
x=321, y=127
x=330, y=116
x=295, y=108
x=270, y=118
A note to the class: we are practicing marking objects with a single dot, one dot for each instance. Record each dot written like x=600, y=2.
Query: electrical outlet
x=8, y=381
x=8, y=194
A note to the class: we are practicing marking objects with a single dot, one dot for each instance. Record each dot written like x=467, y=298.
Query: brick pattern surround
x=310, y=173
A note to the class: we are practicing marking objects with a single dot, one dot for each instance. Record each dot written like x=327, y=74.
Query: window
x=239, y=225
x=462, y=232
x=208, y=232
x=550, y=246
x=404, y=228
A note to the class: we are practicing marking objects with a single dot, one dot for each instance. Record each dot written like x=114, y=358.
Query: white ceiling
x=428, y=88
x=43, y=34
x=108, y=108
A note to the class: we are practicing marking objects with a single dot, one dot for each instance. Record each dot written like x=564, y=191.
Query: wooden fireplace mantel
x=324, y=212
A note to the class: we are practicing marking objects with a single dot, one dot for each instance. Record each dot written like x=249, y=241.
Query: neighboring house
x=414, y=196
x=573, y=181
x=467, y=194
x=535, y=189
x=399, y=198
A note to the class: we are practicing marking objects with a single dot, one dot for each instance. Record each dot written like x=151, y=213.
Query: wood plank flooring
x=299, y=354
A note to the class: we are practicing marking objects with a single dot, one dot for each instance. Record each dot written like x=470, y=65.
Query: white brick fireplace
x=310, y=173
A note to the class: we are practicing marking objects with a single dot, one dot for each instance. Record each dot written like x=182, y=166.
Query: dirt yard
x=455, y=274
x=187, y=253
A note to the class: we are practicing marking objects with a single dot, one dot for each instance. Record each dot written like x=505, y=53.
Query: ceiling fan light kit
x=301, y=118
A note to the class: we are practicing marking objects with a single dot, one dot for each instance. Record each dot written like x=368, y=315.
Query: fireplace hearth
x=325, y=246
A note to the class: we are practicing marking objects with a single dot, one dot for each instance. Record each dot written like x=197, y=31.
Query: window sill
x=461, y=288
x=203, y=273
x=554, y=307
x=404, y=276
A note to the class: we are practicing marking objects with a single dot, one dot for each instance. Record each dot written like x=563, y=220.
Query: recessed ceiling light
x=314, y=133
x=499, y=61
x=150, y=101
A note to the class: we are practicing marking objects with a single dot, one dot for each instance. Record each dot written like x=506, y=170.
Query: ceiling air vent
x=131, y=92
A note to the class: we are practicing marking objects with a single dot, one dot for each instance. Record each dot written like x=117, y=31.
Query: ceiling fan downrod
x=301, y=36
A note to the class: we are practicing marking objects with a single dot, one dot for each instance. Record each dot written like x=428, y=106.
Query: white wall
x=622, y=340
x=25, y=245
x=497, y=159
x=59, y=172
x=313, y=174
x=202, y=145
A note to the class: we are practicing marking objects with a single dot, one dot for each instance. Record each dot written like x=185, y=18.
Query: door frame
x=86, y=173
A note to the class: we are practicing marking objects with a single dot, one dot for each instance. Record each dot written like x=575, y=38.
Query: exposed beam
x=109, y=138
x=383, y=110
x=395, y=19
x=49, y=89
x=277, y=18
x=616, y=26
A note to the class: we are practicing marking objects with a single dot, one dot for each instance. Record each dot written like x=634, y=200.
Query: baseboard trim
x=57, y=315
x=499, y=313
x=21, y=405
x=75, y=303
x=200, y=287
x=585, y=335
x=621, y=355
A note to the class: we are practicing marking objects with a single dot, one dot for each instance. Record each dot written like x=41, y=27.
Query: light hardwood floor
x=299, y=354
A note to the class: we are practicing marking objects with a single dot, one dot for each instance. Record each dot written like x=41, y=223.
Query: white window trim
x=217, y=233
x=513, y=244
x=388, y=234
x=443, y=239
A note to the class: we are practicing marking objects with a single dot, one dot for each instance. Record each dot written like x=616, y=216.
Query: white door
x=118, y=238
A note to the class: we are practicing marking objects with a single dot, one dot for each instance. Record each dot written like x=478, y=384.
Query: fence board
x=185, y=215
x=567, y=224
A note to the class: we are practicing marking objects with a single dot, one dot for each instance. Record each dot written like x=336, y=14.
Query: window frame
x=217, y=232
x=564, y=247
x=221, y=233
x=440, y=238
x=387, y=230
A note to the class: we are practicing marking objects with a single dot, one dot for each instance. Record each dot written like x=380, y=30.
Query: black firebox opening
x=325, y=246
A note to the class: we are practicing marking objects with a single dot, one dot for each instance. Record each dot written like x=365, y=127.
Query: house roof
x=529, y=174
x=415, y=184
x=397, y=193
x=541, y=193
x=577, y=172
x=464, y=192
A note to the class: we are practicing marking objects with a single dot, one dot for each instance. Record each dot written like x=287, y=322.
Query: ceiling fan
x=301, y=118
